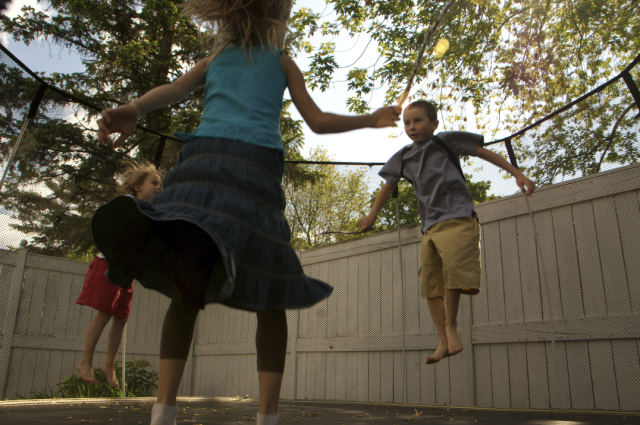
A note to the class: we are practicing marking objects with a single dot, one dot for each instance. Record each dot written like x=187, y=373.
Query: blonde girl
x=113, y=302
x=218, y=233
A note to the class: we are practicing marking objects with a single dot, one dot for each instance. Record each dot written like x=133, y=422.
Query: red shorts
x=98, y=291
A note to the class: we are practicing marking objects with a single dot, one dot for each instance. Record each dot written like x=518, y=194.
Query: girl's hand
x=121, y=120
x=386, y=117
x=523, y=182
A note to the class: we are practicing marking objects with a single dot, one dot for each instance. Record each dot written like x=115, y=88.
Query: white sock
x=267, y=419
x=163, y=414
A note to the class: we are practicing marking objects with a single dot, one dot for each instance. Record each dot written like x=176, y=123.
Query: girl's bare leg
x=113, y=343
x=85, y=367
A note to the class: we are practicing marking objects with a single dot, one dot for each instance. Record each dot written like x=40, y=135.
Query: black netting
x=556, y=324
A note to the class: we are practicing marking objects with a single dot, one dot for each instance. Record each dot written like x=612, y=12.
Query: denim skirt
x=230, y=193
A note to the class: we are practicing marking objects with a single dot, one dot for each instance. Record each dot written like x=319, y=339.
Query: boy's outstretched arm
x=326, y=122
x=367, y=222
x=499, y=161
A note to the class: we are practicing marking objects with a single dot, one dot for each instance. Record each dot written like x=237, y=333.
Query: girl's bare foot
x=86, y=373
x=110, y=373
x=454, y=340
x=441, y=352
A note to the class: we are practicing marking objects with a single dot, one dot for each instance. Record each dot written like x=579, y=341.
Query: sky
x=367, y=145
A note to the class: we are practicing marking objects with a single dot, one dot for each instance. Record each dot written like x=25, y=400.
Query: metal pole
x=548, y=299
x=404, y=350
x=124, y=353
x=13, y=151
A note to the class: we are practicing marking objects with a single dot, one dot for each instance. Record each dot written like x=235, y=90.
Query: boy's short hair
x=427, y=107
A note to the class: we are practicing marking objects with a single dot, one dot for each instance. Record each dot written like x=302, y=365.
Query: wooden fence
x=560, y=329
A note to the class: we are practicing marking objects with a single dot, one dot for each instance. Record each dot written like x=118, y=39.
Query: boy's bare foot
x=441, y=352
x=454, y=340
x=110, y=373
x=86, y=373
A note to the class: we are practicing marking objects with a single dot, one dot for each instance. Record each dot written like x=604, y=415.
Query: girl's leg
x=113, y=343
x=85, y=367
x=177, y=334
x=271, y=346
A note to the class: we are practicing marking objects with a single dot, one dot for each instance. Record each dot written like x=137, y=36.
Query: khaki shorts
x=450, y=258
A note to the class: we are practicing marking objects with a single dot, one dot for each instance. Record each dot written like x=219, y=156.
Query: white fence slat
x=387, y=381
x=362, y=300
x=25, y=302
x=518, y=376
x=559, y=382
x=443, y=395
x=568, y=267
x=36, y=307
x=363, y=376
x=537, y=358
x=351, y=360
x=342, y=370
x=374, y=377
x=413, y=377
x=330, y=373
x=398, y=377
x=512, y=286
x=341, y=293
x=427, y=380
x=603, y=375
x=54, y=370
x=386, y=294
x=352, y=296
x=457, y=378
x=375, y=306
x=580, y=375
x=529, y=270
x=589, y=260
x=616, y=288
x=626, y=358
x=14, y=379
x=500, y=376
x=397, y=294
x=332, y=301
x=484, y=393
x=628, y=212
x=412, y=296
x=548, y=265
x=495, y=284
x=480, y=301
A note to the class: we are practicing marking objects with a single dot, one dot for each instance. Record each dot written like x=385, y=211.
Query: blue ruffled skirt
x=229, y=191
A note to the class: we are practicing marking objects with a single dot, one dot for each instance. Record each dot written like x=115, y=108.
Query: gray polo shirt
x=441, y=191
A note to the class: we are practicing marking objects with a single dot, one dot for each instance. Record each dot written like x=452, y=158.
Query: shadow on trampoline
x=229, y=411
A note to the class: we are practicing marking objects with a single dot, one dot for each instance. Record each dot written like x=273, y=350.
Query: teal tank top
x=243, y=97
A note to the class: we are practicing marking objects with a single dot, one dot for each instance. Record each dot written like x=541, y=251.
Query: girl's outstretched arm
x=123, y=119
x=325, y=122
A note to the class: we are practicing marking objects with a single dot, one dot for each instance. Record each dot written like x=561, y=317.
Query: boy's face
x=417, y=124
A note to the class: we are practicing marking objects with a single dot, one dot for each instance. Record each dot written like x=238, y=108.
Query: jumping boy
x=451, y=243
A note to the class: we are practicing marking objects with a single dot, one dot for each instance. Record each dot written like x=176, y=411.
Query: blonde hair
x=243, y=22
x=134, y=175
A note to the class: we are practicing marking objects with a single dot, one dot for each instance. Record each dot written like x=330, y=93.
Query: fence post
x=11, y=316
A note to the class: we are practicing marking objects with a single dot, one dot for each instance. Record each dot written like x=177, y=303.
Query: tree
x=510, y=61
x=127, y=47
x=408, y=204
x=331, y=200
